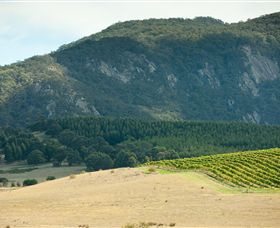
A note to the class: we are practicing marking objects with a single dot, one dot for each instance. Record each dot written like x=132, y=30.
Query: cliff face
x=164, y=69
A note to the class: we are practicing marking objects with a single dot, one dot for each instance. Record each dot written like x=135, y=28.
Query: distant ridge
x=200, y=69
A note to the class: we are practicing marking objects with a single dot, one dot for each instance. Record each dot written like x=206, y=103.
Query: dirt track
x=106, y=199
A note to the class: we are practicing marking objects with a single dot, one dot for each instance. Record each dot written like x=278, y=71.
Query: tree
x=53, y=128
x=73, y=157
x=84, y=152
x=66, y=137
x=60, y=156
x=99, y=142
x=8, y=153
x=97, y=161
x=51, y=148
x=36, y=157
x=167, y=155
x=4, y=181
x=125, y=159
x=108, y=149
x=78, y=141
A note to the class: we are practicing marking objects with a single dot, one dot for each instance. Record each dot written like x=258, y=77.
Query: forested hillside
x=170, y=69
x=118, y=142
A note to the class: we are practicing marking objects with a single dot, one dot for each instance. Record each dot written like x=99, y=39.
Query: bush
x=29, y=182
x=50, y=178
x=72, y=176
x=151, y=170
x=97, y=161
x=36, y=157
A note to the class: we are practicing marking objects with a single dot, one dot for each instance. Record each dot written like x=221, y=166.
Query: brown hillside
x=115, y=198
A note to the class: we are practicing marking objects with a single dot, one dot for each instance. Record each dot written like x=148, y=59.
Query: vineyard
x=256, y=169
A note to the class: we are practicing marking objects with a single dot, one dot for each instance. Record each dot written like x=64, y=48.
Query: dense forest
x=116, y=142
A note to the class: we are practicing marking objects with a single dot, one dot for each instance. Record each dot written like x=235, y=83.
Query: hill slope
x=113, y=199
x=159, y=68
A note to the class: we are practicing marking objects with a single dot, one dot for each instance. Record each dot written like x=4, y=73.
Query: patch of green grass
x=17, y=170
x=39, y=172
x=246, y=170
x=205, y=181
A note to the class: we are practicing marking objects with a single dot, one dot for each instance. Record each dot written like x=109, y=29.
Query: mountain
x=200, y=69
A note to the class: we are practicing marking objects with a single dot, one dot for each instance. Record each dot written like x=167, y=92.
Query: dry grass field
x=114, y=198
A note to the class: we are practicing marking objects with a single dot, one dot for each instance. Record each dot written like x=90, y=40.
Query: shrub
x=72, y=176
x=97, y=161
x=29, y=182
x=50, y=178
x=84, y=226
x=129, y=226
x=151, y=170
x=36, y=157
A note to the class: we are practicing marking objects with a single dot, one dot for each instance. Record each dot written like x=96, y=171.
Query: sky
x=32, y=27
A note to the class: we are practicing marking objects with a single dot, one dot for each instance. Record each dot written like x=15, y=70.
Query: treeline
x=148, y=31
x=113, y=142
x=16, y=144
x=172, y=134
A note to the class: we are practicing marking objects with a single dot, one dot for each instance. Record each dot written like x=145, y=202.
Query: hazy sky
x=33, y=27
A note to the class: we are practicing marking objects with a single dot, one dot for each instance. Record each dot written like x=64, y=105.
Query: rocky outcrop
x=209, y=73
x=262, y=67
x=252, y=117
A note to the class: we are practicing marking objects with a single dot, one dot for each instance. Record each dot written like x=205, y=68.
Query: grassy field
x=18, y=172
x=250, y=169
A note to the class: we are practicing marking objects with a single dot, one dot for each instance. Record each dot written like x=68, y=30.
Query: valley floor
x=118, y=197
